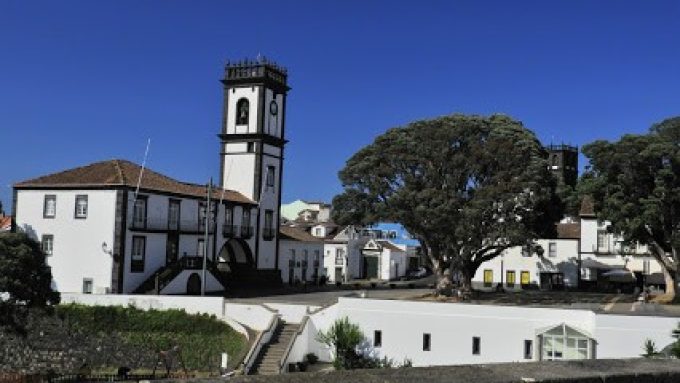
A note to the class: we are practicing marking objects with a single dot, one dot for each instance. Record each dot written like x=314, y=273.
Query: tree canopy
x=467, y=187
x=635, y=184
x=25, y=279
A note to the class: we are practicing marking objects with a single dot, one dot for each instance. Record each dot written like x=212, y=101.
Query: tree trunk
x=671, y=277
x=465, y=288
x=444, y=282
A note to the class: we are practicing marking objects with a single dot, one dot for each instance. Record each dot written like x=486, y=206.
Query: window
x=377, y=338
x=339, y=257
x=269, y=233
x=271, y=175
x=81, y=206
x=50, y=206
x=242, y=111
x=47, y=244
x=510, y=278
x=476, y=345
x=245, y=220
x=173, y=214
x=602, y=240
x=202, y=214
x=246, y=229
x=87, y=286
x=552, y=249
x=525, y=278
x=488, y=277
x=138, y=254
x=563, y=342
x=317, y=255
x=317, y=232
x=291, y=261
x=139, y=213
x=528, y=349
x=426, y=342
x=228, y=215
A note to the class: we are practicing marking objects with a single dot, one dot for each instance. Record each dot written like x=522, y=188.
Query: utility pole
x=208, y=212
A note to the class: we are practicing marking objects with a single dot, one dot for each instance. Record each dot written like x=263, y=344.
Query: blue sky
x=82, y=81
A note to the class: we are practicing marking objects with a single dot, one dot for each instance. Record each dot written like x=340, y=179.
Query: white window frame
x=50, y=206
x=47, y=244
x=138, y=253
x=81, y=208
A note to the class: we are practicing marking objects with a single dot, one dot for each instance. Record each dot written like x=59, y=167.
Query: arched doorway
x=194, y=284
x=236, y=252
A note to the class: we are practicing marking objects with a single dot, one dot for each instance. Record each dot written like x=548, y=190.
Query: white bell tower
x=252, y=143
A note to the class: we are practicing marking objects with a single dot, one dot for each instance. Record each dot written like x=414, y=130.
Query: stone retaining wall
x=51, y=345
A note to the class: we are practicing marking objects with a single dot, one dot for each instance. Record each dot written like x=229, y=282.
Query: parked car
x=418, y=273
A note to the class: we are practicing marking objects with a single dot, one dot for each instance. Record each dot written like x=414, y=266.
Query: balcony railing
x=160, y=224
x=269, y=233
x=246, y=232
x=229, y=230
x=191, y=262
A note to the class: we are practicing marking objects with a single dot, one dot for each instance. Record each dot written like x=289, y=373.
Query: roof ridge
x=121, y=176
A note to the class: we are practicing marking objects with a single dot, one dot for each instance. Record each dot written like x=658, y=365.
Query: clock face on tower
x=273, y=108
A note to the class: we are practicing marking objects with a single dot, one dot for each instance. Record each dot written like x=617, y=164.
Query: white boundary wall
x=501, y=329
x=190, y=304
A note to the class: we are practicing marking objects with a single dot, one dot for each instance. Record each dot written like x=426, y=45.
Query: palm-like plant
x=345, y=337
x=650, y=349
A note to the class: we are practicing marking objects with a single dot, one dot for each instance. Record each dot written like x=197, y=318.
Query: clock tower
x=252, y=140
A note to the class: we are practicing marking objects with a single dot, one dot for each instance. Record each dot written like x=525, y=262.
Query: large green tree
x=467, y=187
x=635, y=184
x=25, y=280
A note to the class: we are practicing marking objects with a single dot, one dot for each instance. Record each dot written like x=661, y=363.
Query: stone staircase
x=267, y=363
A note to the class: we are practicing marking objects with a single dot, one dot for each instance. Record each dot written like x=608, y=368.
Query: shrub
x=650, y=349
x=311, y=358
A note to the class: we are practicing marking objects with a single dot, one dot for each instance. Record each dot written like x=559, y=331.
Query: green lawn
x=200, y=338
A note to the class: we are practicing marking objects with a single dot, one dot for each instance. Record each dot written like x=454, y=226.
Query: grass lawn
x=200, y=339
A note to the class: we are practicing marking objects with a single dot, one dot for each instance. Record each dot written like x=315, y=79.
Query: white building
x=584, y=255
x=342, y=254
x=300, y=256
x=383, y=260
x=102, y=236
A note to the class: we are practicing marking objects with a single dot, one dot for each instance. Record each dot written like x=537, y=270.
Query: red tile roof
x=117, y=173
x=587, y=207
x=568, y=230
x=297, y=234
x=5, y=222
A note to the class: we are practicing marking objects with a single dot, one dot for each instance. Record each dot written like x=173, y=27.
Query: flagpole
x=205, y=238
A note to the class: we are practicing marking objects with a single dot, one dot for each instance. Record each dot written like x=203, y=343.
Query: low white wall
x=502, y=330
x=622, y=336
x=256, y=317
x=192, y=305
